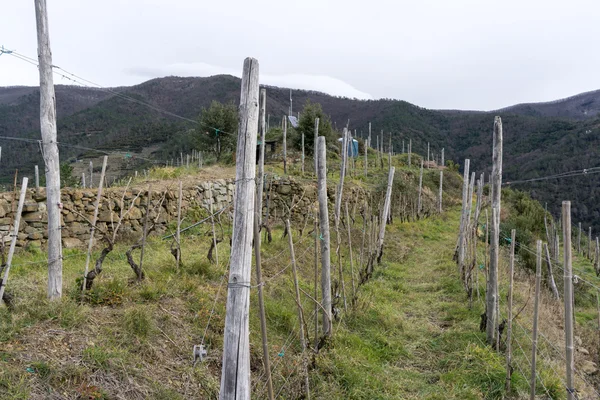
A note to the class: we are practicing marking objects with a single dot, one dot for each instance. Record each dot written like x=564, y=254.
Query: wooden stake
x=491, y=294
x=83, y=180
x=568, y=298
x=463, y=220
x=13, y=241
x=551, y=282
x=303, y=154
x=427, y=155
x=93, y=227
x=50, y=151
x=178, y=234
x=285, y=145
x=145, y=231
x=386, y=208
x=536, y=306
x=579, y=240
x=324, y=228
x=340, y=187
x=91, y=175
x=261, y=301
x=316, y=158
x=590, y=243
x=366, y=146
x=511, y=273
x=420, y=190
x=260, y=177
x=300, y=312
x=409, y=150
x=212, y=222
x=350, y=251
x=235, y=377
x=37, y=179
x=316, y=230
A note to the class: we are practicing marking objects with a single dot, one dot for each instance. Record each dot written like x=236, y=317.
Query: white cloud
x=321, y=83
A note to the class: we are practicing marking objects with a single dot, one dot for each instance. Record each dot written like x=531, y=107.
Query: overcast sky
x=462, y=54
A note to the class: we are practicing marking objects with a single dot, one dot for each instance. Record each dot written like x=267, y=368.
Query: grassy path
x=412, y=335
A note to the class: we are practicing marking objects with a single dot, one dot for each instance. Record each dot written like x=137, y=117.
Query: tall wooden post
x=50, y=151
x=386, y=209
x=261, y=300
x=491, y=294
x=340, y=188
x=300, y=312
x=315, y=145
x=316, y=294
x=37, y=178
x=93, y=227
x=420, y=190
x=511, y=273
x=463, y=220
x=260, y=177
x=579, y=239
x=441, y=191
x=536, y=306
x=568, y=298
x=285, y=145
x=427, y=155
x=303, y=153
x=325, y=241
x=590, y=243
x=409, y=150
x=83, y=180
x=235, y=376
x=366, y=146
x=551, y=282
x=91, y=175
x=13, y=241
x=178, y=233
x=442, y=163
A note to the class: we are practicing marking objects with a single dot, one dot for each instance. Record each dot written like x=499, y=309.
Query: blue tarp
x=352, y=147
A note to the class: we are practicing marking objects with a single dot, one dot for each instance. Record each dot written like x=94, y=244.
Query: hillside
x=540, y=139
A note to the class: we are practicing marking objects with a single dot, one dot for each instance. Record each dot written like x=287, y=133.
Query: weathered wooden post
x=442, y=163
x=284, y=145
x=300, y=312
x=83, y=180
x=366, y=146
x=463, y=220
x=551, y=282
x=13, y=241
x=91, y=175
x=316, y=158
x=37, y=178
x=590, y=243
x=511, y=273
x=386, y=209
x=420, y=190
x=427, y=155
x=579, y=240
x=340, y=187
x=235, y=377
x=536, y=306
x=492, y=294
x=325, y=241
x=93, y=227
x=187, y=161
x=409, y=150
x=441, y=191
x=50, y=151
x=260, y=177
x=302, y=153
x=178, y=233
x=316, y=230
x=568, y=298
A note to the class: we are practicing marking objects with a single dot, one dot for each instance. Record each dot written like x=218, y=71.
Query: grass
x=409, y=335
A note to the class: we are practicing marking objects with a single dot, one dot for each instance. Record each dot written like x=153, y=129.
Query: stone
x=284, y=189
x=578, y=341
x=589, y=367
x=135, y=213
x=79, y=229
x=77, y=195
x=35, y=236
x=70, y=217
x=30, y=206
x=4, y=208
x=35, y=216
x=72, y=243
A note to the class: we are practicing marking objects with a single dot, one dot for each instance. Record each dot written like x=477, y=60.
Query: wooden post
x=568, y=298
x=511, y=273
x=350, y=252
x=212, y=222
x=377, y=139
x=316, y=158
x=442, y=163
x=93, y=227
x=260, y=177
x=579, y=240
x=463, y=220
x=324, y=228
x=145, y=231
x=386, y=209
x=590, y=243
x=91, y=175
x=178, y=234
x=37, y=178
x=187, y=161
x=300, y=312
x=261, y=301
x=441, y=191
x=316, y=230
x=83, y=180
x=420, y=190
x=13, y=241
x=427, y=155
x=536, y=306
x=285, y=145
x=491, y=294
x=50, y=151
x=339, y=259
x=551, y=282
x=235, y=377
x=366, y=146
x=409, y=150
x=340, y=187
x=302, y=153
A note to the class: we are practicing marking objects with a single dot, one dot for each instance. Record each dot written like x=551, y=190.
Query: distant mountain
x=540, y=139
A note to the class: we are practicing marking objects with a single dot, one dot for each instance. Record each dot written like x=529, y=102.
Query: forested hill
x=540, y=139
